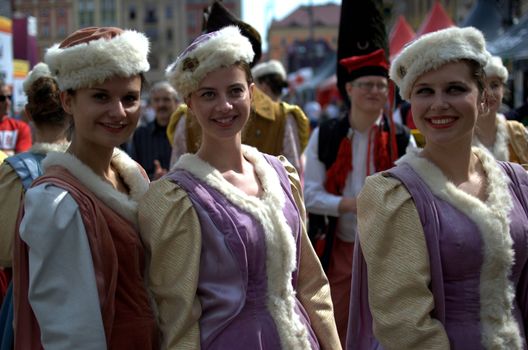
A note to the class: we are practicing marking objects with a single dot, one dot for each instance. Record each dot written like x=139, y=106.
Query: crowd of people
x=226, y=221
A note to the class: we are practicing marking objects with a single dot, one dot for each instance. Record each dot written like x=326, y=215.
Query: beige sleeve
x=393, y=243
x=170, y=230
x=11, y=192
x=313, y=289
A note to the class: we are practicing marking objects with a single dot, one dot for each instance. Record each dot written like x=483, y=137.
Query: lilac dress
x=233, y=288
x=472, y=319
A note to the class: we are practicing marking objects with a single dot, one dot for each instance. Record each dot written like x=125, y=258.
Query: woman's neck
x=96, y=158
x=50, y=135
x=456, y=161
x=486, y=129
x=223, y=156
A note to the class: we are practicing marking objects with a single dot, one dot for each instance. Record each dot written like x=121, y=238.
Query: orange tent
x=436, y=20
x=400, y=35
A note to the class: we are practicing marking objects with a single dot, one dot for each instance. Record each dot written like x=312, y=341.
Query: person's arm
x=313, y=289
x=290, y=143
x=316, y=198
x=62, y=287
x=395, y=250
x=170, y=231
x=179, y=142
x=11, y=192
x=24, y=140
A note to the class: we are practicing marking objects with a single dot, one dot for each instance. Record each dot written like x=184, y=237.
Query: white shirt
x=318, y=200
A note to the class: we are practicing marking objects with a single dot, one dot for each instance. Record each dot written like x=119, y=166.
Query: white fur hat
x=91, y=55
x=495, y=68
x=269, y=67
x=432, y=50
x=207, y=53
x=39, y=70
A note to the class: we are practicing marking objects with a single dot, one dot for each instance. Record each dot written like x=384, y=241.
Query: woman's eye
x=424, y=91
x=237, y=92
x=456, y=89
x=130, y=99
x=207, y=94
x=100, y=96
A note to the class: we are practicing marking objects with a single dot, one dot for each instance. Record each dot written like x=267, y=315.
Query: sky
x=260, y=13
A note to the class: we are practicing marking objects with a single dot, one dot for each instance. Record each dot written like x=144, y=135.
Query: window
x=168, y=12
x=150, y=14
x=132, y=12
x=169, y=34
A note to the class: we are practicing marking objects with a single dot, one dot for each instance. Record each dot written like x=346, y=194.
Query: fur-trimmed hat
x=433, y=50
x=217, y=16
x=495, y=68
x=207, y=53
x=374, y=63
x=40, y=70
x=91, y=55
x=269, y=67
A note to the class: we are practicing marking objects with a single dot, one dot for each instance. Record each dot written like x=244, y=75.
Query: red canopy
x=400, y=35
x=436, y=20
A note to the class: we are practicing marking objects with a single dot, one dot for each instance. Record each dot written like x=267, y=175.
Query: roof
x=401, y=34
x=436, y=20
x=323, y=15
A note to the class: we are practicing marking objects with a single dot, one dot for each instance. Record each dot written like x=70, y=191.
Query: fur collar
x=44, y=147
x=280, y=245
x=500, y=149
x=124, y=205
x=499, y=328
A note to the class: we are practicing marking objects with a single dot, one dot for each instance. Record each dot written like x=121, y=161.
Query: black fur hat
x=361, y=31
x=217, y=16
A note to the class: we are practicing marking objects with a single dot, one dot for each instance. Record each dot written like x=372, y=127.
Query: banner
x=6, y=50
x=20, y=72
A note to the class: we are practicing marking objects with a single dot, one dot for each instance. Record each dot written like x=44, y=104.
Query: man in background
x=150, y=146
x=15, y=135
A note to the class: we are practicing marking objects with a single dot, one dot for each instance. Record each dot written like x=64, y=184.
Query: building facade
x=170, y=24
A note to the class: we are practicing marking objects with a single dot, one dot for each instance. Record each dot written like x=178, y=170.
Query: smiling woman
x=86, y=231
x=449, y=221
x=231, y=266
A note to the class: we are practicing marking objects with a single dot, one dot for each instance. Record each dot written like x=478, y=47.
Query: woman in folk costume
x=442, y=259
x=17, y=173
x=505, y=139
x=231, y=265
x=78, y=259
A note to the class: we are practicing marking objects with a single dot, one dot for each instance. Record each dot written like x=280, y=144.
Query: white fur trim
x=206, y=54
x=495, y=68
x=500, y=148
x=124, y=205
x=280, y=245
x=40, y=70
x=499, y=327
x=269, y=67
x=91, y=63
x=44, y=147
x=432, y=50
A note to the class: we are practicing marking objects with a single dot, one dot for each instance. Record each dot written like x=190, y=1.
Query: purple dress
x=233, y=282
x=455, y=247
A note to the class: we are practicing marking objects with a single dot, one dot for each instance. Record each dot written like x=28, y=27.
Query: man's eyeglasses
x=369, y=86
x=4, y=97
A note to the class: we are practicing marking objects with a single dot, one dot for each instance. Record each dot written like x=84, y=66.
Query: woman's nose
x=117, y=109
x=224, y=104
x=439, y=103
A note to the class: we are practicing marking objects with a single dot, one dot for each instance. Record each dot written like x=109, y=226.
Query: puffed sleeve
x=62, y=288
x=313, y=289
x=395, y=250
x=170, y=230
x=11, y=191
